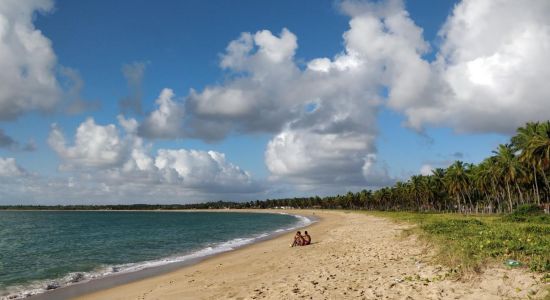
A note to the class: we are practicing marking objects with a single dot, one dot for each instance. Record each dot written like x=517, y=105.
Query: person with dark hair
x=306, y=238
x=298, y=240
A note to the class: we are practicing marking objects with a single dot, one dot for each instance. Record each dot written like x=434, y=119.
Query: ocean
x=41, y=250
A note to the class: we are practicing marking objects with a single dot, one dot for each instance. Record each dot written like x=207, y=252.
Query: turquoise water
x=56, y=248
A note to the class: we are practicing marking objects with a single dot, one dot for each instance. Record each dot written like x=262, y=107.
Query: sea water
x=41, y=250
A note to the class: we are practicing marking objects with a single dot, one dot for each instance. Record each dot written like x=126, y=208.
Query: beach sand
x=353, y=256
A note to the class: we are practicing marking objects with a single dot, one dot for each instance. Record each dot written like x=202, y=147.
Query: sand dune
x=354, y=256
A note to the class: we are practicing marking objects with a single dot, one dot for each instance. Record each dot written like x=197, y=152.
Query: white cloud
x=276, y=49
x=120, y=163
x=27, y=60
x=307, y=157
x=129, y=125
x=230, y=102
x=334, y=144
x=491, y=70
x=167, y=120
x=258, y=97
x=10, y=168
x=200, y=169
x=95, y=146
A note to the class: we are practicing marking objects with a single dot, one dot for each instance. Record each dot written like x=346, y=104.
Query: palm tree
x=520, y=142
x=438, y=186
x=536, y=151
x=510, y=170
x=487, y=182
x=456, y=180
x=416, y=189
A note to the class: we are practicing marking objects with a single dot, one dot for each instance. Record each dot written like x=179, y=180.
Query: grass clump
x=528, y=213
x=469, y=242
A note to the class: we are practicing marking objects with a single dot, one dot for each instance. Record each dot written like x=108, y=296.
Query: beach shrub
x=528, y=213
x=470, y=242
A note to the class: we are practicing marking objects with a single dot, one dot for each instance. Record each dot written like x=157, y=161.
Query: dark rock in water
x=12, y=296
x=77, y=277
x=52, y=286
x=116, y=269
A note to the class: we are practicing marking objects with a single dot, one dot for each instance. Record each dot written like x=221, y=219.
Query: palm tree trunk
x=464, y=209
x=470, y=201
x=545, y=180
x=536, y=184
x=509, y=196
x=520, y=193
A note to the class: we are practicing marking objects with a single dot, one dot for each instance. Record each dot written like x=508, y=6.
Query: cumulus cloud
x=95, y=146
x=134, y=73
x=490, y=72
x=31, y=79
x=309, y=157
x=166, y=121
x=10, y=168
x=258, y=97
x=27, y=60
x=200, y=169
x=335, y=141
x=120, y=161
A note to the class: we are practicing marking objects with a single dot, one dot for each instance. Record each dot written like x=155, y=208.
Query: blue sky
x=398, y=87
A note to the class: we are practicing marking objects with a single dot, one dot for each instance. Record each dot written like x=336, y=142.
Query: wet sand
x=353, y=256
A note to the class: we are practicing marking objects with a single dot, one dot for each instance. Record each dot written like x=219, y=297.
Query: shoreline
x=143, y=271
x=282, y=236
x=353, y=255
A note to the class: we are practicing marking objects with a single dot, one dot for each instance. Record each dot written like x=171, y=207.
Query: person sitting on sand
x=307, y=238
x=298, y=240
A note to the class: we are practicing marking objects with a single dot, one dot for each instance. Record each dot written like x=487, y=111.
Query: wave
x=39, y=287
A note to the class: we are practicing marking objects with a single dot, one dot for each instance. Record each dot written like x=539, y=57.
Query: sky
x=111, y=102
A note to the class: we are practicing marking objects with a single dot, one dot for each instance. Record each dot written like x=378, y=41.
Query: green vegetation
x=528, y=213
x=465, y=243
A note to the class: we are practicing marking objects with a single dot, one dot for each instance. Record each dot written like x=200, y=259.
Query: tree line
x=517, y=173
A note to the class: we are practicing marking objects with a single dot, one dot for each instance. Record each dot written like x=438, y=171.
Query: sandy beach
x=353, y=256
